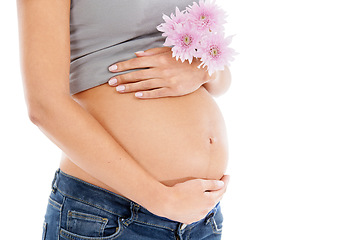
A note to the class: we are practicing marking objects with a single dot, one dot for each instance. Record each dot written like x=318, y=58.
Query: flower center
x=187, y=40
x=214, y=51
x=204, y=20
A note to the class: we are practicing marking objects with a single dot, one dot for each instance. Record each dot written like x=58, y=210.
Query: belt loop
x=54, y=182
x=134, y=208
x=180, y=231
x=211, y=214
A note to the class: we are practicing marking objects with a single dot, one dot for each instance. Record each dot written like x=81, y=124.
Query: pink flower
x=216, y=53
x=198, y=32
x=207, y=16
x=185, y=40
x=169, y=26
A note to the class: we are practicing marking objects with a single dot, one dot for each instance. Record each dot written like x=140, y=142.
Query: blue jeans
x=78, y=210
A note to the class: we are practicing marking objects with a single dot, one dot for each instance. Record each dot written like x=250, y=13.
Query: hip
x=79, y=210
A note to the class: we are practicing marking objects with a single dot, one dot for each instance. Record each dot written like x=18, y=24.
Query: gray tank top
x=103, y=32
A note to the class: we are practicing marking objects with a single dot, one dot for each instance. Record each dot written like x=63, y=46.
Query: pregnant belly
x=174, y=139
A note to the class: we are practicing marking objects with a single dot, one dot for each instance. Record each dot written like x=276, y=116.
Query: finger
x=215, y=196
x=225, y=179
x=155, y=93
x=152, y=51
x=140, y=86
x=134, y=63
x=130, y=77
x=212, y=185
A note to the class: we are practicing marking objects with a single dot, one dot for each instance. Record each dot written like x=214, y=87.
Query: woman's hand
x=160, y=75
x=192, y=200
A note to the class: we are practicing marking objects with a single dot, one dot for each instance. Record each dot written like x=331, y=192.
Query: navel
x=212, y=140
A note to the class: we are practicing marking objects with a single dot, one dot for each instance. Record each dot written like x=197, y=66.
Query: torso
x=175, y=139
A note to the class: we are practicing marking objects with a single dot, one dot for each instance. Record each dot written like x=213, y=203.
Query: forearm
x=45, y=55
x=92, y=148
x=219, y=82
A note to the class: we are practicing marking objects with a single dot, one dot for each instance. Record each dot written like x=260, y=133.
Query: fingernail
x=139, y=52
x=112, y=81
x=120, y=88
x=113, y=67
x=220, y=183
x=139, y=94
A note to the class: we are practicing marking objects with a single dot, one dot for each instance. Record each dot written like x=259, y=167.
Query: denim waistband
x=85, y=192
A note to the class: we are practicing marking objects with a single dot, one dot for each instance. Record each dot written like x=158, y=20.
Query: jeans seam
x=80, y=200
x=68, y=235
x=102, y=228
x=214, y=227
x=60, y=218
x=94, y=186
x=59, y=204
x=134, y=212
x=188, y=237
x=44, y=230
x=155, y=225
x=51, y=202
x=74, y=214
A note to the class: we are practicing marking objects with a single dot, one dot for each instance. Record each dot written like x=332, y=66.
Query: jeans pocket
x=92, y=225
x=81, y=220
x=86, y=233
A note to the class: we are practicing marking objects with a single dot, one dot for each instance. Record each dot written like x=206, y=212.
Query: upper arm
x=44, y=32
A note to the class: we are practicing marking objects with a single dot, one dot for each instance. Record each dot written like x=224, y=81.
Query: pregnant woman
x=144, y=143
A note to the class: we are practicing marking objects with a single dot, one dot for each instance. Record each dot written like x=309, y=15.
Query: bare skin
x=174, y=139
x=101, y=132
x=164, y=76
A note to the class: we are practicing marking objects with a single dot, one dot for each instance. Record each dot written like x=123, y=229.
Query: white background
x=293, y=116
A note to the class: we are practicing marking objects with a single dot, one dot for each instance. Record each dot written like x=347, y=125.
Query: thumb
x=152, y=51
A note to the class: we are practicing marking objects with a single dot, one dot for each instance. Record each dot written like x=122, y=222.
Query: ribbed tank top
x=103, y=32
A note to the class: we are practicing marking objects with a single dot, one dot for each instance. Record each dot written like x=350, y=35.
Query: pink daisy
x=207, y=16
x=216, y=53
x=185, y=40
x=169, y=26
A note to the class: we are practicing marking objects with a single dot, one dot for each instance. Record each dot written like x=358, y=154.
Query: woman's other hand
x=192, y=200
x=160, y=75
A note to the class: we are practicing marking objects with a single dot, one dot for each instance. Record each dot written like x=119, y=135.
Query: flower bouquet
x=198, y=32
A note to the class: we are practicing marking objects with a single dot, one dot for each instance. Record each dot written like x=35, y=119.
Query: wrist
x=203, y=74
x=166, y=203
x=206, y=77
x=157, y=199
x=209, y=79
